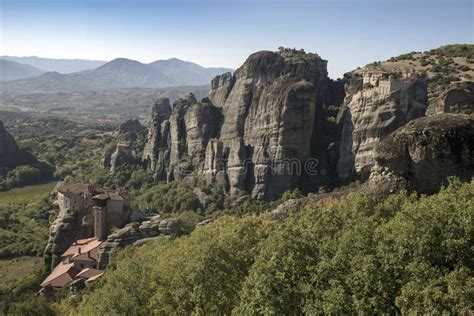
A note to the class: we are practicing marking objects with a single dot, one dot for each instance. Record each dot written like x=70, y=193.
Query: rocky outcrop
x=279, y=123
x=269, y=118
x=7, y=142
x=376, y=104
x=123, y=151
x=457, y=98
x=66, y=229
x=135, y=234
x=192, y=125
x=131, y=127
x=157, y=151
x=123, y=154
x=257, y=128
x=421, y=155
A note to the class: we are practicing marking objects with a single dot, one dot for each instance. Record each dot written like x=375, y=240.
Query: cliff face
x=269, y=115
x=257, y=128
x=457, y=98
x=383, y=96
x=156, y=152
x=279, y=123
x=375, y=105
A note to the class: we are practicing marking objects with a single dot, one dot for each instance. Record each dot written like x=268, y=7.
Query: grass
x=12, y=270
x=27, y=194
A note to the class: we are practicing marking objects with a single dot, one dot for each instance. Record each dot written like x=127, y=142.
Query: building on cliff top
x=79, y=261
x=380, y=83
x=105, y=207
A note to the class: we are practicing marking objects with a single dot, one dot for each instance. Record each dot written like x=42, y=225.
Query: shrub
x=23, y=175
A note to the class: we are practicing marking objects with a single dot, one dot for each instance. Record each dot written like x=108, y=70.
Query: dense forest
x=407, y=254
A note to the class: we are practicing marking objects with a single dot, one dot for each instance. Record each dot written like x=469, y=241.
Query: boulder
x=423, y=154
x=115, y=241
x=169, y=226
x=135, y=234
x=143, y=241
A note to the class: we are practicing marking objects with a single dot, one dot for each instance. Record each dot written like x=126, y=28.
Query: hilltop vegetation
x=441, y=66
x=407, y=254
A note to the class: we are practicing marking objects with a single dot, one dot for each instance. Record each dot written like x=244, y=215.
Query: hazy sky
x=348, y=33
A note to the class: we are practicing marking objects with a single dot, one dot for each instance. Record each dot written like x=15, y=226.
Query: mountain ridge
x=11, y=70
x=118, y=73
x=61, y=65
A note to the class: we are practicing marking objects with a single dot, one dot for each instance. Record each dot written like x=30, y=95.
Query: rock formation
x=133, y=234
x=376, y=104
x=255, y=131
x=457, y=98
x=123, y=152
x=279, y=123
x=156, y=152
x=383, y=96
x=421, y=155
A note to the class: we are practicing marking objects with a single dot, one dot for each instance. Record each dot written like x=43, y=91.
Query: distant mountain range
x=63, y=66
x=118, y=73
x=10, y=70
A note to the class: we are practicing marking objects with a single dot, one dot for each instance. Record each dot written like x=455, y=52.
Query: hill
x=185, y=71
x=10, y=70
x=59, y=65
x=118, y=73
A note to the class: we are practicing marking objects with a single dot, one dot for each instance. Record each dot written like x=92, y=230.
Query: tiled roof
x=85, y=245
x=94, y=278
x=61, y=270
x=89, y=273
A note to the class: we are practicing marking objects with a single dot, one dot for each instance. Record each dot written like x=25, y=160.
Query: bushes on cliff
x=198, y=274
x=171, y=197
x=406, y=255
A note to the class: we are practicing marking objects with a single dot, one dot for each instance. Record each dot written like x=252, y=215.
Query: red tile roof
x=83, y=246
x=61, y=275
x=89, y=273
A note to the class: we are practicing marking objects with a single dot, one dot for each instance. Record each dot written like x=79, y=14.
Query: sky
x=222, y=33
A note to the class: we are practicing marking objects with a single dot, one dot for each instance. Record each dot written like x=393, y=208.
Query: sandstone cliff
x=376, y=104
x=279, y=123
x=255, y=131
x=383, y=96
x=156, y=152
